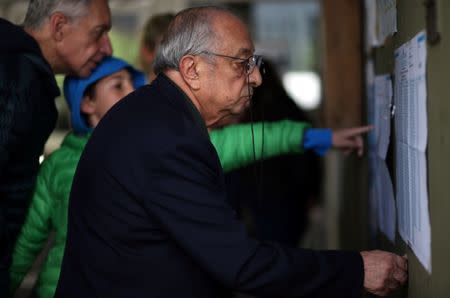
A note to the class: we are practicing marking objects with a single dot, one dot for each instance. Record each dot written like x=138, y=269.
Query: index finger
x=358, y=130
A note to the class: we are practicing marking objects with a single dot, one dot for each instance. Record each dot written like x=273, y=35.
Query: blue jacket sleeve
x=318, y=139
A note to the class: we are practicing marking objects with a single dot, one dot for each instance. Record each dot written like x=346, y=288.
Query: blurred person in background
x=152, y=34
x=57, y=37
x=276, y=194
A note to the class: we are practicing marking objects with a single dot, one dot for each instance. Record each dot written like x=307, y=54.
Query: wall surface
x=411, y=20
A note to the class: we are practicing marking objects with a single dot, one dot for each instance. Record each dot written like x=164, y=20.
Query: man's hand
x=383, y=271
x=350, y=139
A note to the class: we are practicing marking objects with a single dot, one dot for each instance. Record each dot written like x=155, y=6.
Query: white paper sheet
x=371, y=24
x=381, y=187
x=386, y=19
x=381, y=21
x=411, y=141
x=386, y=202
x=370, y=89
x=383, y=100
x=373, y=194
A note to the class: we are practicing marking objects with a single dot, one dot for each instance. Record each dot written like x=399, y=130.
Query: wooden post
x=345, y=181
x=342, y=73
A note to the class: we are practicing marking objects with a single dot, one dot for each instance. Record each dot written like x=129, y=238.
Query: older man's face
x=227, y=86
x=87, y=41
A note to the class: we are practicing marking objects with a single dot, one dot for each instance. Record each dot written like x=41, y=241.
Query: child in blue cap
x=89, y=99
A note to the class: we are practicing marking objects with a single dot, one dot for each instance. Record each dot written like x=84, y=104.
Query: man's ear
x=58, y=26
x=189, y=71
x=87, y=105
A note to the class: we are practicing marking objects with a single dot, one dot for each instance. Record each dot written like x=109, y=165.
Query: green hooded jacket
x=49, y=205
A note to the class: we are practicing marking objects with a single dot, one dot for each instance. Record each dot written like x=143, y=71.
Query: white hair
x=190, y=33
x=40, y=10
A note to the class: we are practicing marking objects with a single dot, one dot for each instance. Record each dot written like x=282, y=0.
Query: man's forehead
x=241, y=48
x=100, y=12
x=235, y=36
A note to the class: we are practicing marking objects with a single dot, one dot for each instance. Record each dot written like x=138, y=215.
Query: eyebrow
x=244, y=52
x=103, y=27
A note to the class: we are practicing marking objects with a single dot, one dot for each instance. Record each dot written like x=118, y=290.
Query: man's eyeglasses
x=248, y=64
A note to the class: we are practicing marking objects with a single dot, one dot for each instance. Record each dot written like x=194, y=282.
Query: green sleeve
x=36, y=228
x=234, y=143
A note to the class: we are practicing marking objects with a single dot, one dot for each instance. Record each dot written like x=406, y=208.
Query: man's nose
x=106, y=47
x=255, y=78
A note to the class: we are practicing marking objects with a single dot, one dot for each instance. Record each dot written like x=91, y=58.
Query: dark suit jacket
x=149, y=217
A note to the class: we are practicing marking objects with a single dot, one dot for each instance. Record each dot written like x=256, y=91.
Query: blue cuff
x=318, y=139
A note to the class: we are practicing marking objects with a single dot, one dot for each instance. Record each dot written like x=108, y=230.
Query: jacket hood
x=16, y=39
x=74, y=88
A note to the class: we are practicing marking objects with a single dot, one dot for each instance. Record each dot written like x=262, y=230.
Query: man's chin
x=85, y=72
x=230, y=119
x=243, y=108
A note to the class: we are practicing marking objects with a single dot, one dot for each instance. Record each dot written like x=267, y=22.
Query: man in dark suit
x=149, y=215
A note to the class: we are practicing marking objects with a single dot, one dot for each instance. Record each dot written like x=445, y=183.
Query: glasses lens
x=258, y=61
x=250, y=66
x=260, y=64
x=252, y=62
